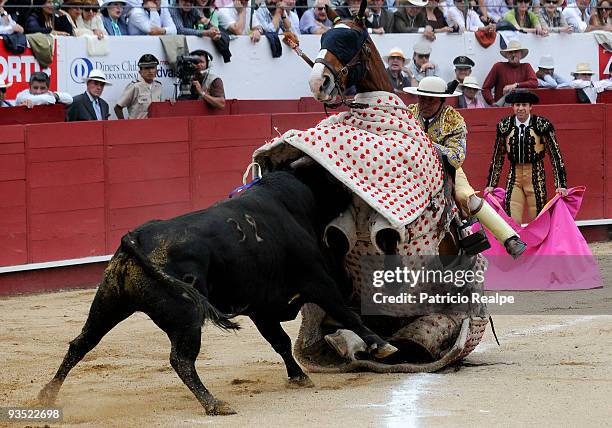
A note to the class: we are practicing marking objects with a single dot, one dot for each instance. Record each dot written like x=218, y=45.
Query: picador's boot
x=498, y=227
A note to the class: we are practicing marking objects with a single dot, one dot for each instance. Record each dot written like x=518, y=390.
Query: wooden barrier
x=72, y=190
x=38, y=114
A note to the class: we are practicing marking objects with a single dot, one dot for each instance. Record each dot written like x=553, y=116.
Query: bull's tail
x=185, y=290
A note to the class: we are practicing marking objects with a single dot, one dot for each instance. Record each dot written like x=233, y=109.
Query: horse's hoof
x=48, y=394
x=385, y=350
x=301, y=381
x=219, y=408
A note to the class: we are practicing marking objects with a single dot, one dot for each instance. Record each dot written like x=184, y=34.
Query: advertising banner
x=16, y=70
x=605, y=61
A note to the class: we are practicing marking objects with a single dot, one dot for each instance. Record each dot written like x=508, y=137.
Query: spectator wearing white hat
x=421, y=67
x=547, y=78
x=510, y=75
x=89, y=105
x=3, y=88
x=396, y=61
x=471, y=97
x=113, y=18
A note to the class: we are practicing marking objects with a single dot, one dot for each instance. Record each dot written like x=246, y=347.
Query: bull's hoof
x=219, y=408
x=301, y=381
x=48, y=395
x=384, y=350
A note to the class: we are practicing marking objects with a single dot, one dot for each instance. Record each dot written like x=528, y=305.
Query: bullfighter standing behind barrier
x=526, y=138
x=446, y=128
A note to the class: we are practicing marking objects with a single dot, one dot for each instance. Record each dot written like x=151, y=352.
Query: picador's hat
x=463, y=62
x=522, y=96
x=148, y=60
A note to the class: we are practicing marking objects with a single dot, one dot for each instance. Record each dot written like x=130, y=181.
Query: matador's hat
x=522, y=96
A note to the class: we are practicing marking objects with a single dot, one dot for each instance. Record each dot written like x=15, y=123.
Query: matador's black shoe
x=515, y=247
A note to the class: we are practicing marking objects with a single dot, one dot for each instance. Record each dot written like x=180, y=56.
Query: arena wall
x=71, y=190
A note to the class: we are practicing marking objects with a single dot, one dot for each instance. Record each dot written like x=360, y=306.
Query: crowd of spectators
x=219, y=19
x=212, y=18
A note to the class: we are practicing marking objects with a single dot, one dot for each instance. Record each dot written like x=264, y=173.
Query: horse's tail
x=185, y=290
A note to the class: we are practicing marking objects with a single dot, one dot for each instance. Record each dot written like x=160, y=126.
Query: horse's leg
x=182, y=322
x=273, y=332
x=107, y=310
x=319, y=288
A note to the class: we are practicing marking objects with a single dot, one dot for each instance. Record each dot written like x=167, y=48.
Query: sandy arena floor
x=551, y=370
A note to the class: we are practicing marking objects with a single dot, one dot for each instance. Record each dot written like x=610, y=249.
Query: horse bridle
x=364, y=49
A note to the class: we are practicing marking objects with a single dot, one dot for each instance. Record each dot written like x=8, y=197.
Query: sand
x=551, y=369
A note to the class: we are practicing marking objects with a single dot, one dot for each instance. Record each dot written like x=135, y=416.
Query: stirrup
x=515, y=247
x=472, y=243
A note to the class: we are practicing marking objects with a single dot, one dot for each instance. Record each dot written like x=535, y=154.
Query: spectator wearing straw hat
x=463, y=68
x=113, y=18
x=583, y=82
x=3, y=87
x=420, y=66
x=547, y=78
x=447, y=130
x=507, y=76
x=471, y=97
x=89, y=105
x=396, y=61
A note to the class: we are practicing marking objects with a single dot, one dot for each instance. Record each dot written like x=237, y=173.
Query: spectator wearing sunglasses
x=91, y=20
x=113, y=18
x=3, y=87
x=315, y=20
x=525, y=20
x=602, y=19
x=578, y=16
x=552, y=20
x=421, y=67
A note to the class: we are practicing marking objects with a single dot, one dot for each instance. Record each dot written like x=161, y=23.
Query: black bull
x=258, y=255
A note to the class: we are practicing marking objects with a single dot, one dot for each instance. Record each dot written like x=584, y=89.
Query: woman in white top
x=456, y=17
x=91, y=19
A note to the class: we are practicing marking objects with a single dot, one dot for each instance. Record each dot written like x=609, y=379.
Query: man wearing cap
x=470, y=90
x=507, y=76
x=139, y=94
x=547, y=78
x=447, y=130
x=420, y=66
x=3, y=88
x=525, y=138
x=89, y=105
x=463, y=68
x=396, y=60
x=113, y=18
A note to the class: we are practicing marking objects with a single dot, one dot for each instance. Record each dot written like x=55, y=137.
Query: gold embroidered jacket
x=541, y=139
x=447, y=130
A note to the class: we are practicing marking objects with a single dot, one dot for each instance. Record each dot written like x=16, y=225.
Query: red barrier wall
x=72, y=190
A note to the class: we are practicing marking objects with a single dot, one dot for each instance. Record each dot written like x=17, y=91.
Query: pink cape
x=557, y=256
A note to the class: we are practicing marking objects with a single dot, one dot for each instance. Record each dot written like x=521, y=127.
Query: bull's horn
x=302, y=162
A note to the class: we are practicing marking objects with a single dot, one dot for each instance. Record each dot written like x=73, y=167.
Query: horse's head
x=347, y=55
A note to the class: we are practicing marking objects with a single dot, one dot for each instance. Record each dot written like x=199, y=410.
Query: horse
x=348, y=57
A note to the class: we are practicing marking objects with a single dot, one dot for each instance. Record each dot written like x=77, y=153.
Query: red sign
x=605, y=60
x=17, y=69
